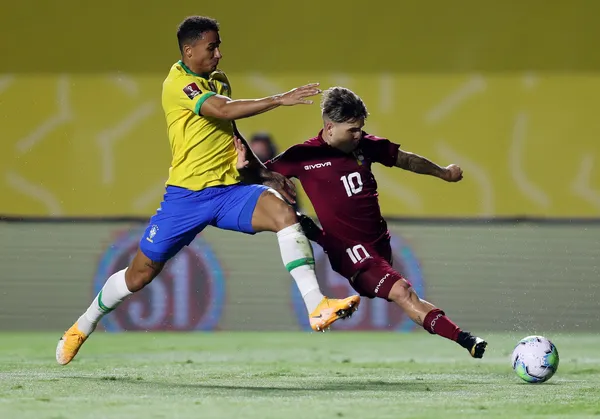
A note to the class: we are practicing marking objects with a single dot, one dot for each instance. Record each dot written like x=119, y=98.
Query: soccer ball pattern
x=535, y=359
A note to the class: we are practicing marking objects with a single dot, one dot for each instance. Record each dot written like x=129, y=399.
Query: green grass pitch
x=289, y=375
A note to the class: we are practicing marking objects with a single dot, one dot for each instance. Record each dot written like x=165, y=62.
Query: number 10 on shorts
x=357, y=253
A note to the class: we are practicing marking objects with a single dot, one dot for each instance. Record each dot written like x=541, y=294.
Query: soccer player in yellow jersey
x=205, y=186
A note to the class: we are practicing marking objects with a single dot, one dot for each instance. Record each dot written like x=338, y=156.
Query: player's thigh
x=272, y=213
x=370, y=274
x=236, y=206
x=174, y=226
x=253, y=208
x=377, y=278
x=383, y=248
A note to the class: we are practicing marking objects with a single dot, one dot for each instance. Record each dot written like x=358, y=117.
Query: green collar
x=187, y=70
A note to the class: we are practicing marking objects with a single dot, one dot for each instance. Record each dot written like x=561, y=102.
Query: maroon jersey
x=341, y=186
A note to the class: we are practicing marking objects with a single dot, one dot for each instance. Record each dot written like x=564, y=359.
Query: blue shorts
x=185, y=213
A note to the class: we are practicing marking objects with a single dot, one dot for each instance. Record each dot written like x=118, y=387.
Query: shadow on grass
x=306, y=386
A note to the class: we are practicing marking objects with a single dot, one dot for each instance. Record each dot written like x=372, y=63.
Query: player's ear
x=187, y=50
x=329, y=127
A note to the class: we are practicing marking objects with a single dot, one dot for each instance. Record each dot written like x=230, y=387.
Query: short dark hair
x=193, y=27
x=342, y=105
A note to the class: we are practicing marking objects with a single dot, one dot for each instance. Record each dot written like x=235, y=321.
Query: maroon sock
x=437, y=323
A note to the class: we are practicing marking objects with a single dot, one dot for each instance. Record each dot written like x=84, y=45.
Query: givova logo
x=317, y=165
x=187, y=295
x=381, y=281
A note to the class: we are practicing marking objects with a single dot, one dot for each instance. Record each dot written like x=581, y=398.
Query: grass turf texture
x=289, y=375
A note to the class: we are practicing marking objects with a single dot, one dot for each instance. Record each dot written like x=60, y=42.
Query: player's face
x=262, y=150
x=345, y=136
x=206, y=53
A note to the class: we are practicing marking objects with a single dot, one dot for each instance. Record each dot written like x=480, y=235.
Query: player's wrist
x=277, y=99
x=444, y=173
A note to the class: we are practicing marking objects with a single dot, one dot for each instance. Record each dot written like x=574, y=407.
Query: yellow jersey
x=202, y=147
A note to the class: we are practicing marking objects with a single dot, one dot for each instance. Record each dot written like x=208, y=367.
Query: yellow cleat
x=329, y=310
x=69, y=345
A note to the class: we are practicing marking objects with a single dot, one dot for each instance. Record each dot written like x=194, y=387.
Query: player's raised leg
x=383, y=281
x=117, y=288
x=273, y=214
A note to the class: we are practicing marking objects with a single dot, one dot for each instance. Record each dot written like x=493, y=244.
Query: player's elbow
x=403, y=161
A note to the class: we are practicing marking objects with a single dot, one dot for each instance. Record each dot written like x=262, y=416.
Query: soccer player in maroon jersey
x=335, y=171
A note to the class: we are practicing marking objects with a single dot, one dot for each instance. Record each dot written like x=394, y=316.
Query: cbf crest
x=152, y=233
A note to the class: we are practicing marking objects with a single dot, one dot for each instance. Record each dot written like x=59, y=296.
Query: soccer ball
x=535, y=359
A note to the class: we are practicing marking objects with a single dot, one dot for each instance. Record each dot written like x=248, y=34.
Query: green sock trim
x=103, y=308
x=299, y=262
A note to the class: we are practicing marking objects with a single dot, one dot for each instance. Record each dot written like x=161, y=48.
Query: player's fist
x=311, y=230
x=452, y=173
x=298, y=95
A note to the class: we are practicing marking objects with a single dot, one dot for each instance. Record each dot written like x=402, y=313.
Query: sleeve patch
x=192, y=90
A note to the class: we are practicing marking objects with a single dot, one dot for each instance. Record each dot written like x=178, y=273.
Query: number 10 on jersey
x=353, y=183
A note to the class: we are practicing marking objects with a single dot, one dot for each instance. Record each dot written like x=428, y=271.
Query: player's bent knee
x=281, y=214
x=141, y=272
x=287, y=217
x=400, y=291
x=138, y=280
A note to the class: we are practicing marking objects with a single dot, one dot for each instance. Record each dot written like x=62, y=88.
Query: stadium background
x=83, y=136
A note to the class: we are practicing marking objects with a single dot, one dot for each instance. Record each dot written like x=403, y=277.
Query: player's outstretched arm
x=418, y=164
x=222, y=107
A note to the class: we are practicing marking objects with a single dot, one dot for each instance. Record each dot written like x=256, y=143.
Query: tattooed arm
x=417, y=164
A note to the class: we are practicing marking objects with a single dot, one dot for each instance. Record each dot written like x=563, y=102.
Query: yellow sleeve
x=190, y=93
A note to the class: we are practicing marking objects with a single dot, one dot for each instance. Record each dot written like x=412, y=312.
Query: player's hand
x=453, y=173
x=311, y=230
x=241, y=149
x=298, y=95
x=281, y=184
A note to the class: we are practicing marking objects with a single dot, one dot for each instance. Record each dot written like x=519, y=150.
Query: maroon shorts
x=368, y=267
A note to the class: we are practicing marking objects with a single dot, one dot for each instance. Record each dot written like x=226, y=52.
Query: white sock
x=298, y=258
x=110, y=296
